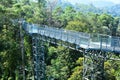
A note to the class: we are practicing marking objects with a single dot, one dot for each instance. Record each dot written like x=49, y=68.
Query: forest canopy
x=61, y=63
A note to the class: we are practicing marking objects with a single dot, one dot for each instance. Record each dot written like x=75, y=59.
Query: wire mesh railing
x=84, y=40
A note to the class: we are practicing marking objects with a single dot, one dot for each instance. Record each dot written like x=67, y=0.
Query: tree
x=77, y=26
x=10, y=54
x=10, y=43
x=77, y=71
x=57, y=17
x=109, y=22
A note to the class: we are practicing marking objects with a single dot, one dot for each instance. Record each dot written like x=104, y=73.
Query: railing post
x=101, y=42
x=22, y=49
x=89, y=42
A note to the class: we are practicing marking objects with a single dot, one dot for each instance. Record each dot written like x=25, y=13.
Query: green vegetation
x=61, y=63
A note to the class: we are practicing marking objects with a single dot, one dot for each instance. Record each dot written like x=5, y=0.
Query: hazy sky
x=114, y=1
x=92, y=1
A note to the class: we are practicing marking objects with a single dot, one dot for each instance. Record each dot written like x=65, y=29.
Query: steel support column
x=38, y=55
x=22, y=50
x=93, y=65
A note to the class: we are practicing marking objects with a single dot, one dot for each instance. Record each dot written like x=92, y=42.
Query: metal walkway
x=82, y=40
x=96, y=49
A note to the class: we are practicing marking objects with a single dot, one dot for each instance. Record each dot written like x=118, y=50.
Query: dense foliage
x=61, y=63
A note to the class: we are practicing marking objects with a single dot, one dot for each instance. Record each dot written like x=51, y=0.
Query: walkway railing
x=83, y=40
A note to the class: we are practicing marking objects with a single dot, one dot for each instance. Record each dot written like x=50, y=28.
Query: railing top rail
x=93, y=41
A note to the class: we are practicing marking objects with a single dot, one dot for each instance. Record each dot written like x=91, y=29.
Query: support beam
x=39, y=60
x=22, y=50
x=93, y=65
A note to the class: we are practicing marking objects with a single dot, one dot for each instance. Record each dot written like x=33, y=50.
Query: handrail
x=84, y=40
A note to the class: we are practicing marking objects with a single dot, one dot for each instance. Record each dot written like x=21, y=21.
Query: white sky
x=114, y=1
x=82, y=1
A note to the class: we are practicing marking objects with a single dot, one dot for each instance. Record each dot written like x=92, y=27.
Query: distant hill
x=87, y=8
x=101, y=4
x=63, y=3
x=114, y=10
x=95, y=7
x=96, y=3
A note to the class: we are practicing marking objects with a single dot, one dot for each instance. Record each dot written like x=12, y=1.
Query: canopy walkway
x=82, y=40
x=96, y=48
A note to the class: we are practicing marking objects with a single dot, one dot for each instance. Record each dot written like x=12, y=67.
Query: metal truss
x=38, y=55
x=94, y=58
x=93, y=65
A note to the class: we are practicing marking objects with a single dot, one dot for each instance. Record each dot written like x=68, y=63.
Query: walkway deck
x=83, y=40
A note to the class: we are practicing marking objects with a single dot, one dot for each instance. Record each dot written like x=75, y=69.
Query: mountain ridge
x=112, y=9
